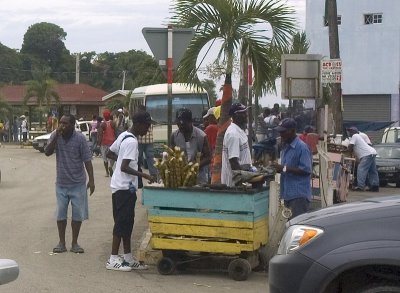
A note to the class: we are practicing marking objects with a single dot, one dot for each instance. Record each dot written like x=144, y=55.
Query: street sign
x=157, y=39
x=331, y=71
x=301, y=75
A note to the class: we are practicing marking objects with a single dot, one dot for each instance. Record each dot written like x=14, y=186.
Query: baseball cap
x=209, y=112
x=218, y=102
x=184, y=114
x=217, y=112
x=352, y=129
x=142, y=117
x=285, y=124
x=237, y=108
x=120, y=110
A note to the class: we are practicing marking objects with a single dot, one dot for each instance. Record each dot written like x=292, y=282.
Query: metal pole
x=77, y=68
x=250, y=102
x=123, y=79
x=169, y=80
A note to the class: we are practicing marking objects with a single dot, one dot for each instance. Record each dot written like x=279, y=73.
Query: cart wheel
x=239, y=269
x=166, y=266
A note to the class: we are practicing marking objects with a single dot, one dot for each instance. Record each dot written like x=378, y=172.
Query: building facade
x=369, y=39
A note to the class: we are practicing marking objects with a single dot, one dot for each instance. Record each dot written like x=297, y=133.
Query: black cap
x=184, y=114
x=285, y=124
x=237, y=108
x=141, y=117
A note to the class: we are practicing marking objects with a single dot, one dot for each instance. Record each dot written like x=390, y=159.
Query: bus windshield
x=157, y=106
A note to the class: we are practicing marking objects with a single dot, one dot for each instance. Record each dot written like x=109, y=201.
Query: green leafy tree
x=300, y=44
x=232, y=26
x=46, y=41
x=209, y=85
x=42, y=90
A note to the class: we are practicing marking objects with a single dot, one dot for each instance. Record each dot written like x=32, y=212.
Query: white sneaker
x=118, y=265
x=136, y=265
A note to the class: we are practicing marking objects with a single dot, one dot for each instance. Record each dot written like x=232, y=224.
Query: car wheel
x=383, y=183
x=41, y=150
x=398, y=184
x=379, y=288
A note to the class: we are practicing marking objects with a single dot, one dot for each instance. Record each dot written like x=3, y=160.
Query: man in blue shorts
x=124, y=183
x=72, y=155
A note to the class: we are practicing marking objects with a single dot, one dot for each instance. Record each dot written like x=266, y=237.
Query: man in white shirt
x=124, y=183
x=235, y=150
x=366, y=156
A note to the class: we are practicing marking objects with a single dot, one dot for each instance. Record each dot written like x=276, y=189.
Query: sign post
x=168, y=46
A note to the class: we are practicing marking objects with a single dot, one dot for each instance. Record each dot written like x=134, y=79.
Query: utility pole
x=336, y=100
x=77, y=69
x=123, y=79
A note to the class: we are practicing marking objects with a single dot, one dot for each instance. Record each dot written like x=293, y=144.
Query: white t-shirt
x=365, y=137
x=125, y=149
x=269, y=121
x=235, y=145
x=361, y=148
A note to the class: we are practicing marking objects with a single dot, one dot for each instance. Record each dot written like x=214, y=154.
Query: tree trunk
x=224, y=122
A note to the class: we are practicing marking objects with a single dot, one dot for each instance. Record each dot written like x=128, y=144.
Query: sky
x=98, y=25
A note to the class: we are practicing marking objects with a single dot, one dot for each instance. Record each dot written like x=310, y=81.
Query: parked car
x=40, y=142
x=388, y=163
x=9, y=271
x=352, y=247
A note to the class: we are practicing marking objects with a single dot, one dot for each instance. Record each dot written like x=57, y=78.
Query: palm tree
x=233, y=26
x=43, y=90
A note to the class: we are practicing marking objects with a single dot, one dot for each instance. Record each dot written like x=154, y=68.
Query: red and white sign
x=331, y=71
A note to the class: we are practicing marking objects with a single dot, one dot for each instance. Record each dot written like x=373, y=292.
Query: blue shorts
x=77, y=195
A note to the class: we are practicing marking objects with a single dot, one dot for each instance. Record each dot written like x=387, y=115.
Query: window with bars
x=339, y=20
x=373, y=18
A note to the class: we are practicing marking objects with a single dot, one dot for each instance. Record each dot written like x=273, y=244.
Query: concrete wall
x=370, y=53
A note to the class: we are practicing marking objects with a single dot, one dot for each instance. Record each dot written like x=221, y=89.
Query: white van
x=391, y=135
x=155, y=98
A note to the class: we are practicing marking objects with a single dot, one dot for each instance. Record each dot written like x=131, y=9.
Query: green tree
x=209, y=85
x=46, y=41
x=5, y=109
x=234, y=27
x=42, y=89
x=300, y=44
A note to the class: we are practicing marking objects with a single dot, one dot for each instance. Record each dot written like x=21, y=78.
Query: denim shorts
x=75, y=194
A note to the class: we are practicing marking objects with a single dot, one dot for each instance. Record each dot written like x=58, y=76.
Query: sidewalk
x=383, y=191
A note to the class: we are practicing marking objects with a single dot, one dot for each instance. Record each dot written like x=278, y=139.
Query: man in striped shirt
x=72, y=156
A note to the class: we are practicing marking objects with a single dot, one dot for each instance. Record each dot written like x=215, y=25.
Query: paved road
x=28, y=233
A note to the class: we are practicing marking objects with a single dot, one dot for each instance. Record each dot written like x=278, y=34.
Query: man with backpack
x=124, y=183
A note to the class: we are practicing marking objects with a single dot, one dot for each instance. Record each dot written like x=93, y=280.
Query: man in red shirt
x=106, y=137
x=212, y=128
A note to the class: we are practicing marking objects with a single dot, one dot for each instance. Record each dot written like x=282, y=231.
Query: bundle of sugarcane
x=175, y=171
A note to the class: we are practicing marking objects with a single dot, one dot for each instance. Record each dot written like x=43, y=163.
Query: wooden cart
x=192, y=224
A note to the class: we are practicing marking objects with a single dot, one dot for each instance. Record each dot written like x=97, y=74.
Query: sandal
x=77, y=249
x=60, y=248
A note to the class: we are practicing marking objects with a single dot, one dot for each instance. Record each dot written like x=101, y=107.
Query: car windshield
x=157, y=106
x=388, y=152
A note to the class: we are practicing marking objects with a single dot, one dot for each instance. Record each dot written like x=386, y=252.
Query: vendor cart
x=224, y=229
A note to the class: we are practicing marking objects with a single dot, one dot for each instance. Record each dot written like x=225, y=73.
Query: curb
x=145, y=253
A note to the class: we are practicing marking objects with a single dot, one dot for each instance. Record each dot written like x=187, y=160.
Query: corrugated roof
x=69, y=94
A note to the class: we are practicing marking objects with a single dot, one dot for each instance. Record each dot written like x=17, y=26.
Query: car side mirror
x=9, y=271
